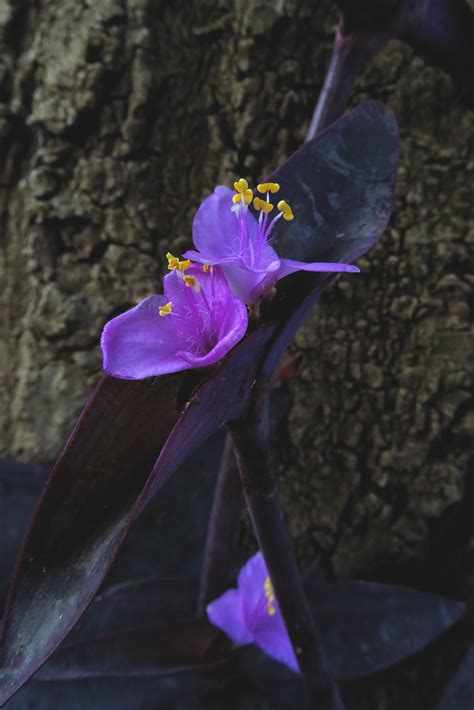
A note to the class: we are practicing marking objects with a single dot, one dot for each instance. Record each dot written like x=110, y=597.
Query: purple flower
x=225, y=232
x=195, y=323
x=250, y=614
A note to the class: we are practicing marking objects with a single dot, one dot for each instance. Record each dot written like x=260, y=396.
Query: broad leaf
x=367, y=627
x=132, y=436
x=343, y=194
x=459, y=695
x=20, y=488
x=340, y=186
x=96, y=490
x=172, y=691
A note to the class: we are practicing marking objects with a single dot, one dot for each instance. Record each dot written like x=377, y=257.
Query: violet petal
x=202, y=327
x=227, y=613
x=289, y=266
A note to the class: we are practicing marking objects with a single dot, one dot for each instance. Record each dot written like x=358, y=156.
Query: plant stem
x=350, y=55
x=250, y=436
x=222, y=530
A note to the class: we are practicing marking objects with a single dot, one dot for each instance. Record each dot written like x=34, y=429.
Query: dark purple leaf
x=459, y=695
x=345, y=189
x=97, y=489
x=137, y=655
x=172, y=648
x=139, y=628
x=367, y=626
x=134, y=603
x=20, y=488
x=173, y=691
x=156, y=544
x=102, y=481
x=340, y=186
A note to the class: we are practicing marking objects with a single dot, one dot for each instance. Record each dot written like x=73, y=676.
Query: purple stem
x=222, y=529
x=351, y=53
x=250, y=436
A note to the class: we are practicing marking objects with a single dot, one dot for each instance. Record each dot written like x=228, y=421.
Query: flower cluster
x=203, y=314
x=250, y=614
x=226, y=232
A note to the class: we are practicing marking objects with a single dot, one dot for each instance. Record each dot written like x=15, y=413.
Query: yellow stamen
x=270, y=595
x=206, y=267
x=192, y=282
x=174, y=264
x=166, y=309
x=268, y=187
x=244, y=193
x=263, y=205
x=286, y=209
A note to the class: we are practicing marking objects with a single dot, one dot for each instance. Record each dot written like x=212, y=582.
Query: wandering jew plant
x=179, y=367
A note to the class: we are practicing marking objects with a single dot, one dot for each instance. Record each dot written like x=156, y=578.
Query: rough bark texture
x=116, y=118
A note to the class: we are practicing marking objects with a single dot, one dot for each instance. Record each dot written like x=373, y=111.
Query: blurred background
x=116, y=118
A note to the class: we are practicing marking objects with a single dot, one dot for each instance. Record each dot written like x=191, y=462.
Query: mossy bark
x=116, y=118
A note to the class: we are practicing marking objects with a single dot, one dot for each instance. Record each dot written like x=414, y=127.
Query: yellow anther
x=241, y=185
x=286, y=209
x=173, y=261
x=270, y=595
x=268, y=187
x=263, y=205
x=206, y=267
x=243, y=191
x=192, y=282
x=166, y=309
x=174, y=264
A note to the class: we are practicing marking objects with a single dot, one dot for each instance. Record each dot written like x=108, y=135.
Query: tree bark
x=116, y=118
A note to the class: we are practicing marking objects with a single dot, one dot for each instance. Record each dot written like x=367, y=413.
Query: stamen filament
x=270, y=226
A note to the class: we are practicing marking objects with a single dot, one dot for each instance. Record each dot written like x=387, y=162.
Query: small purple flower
x=225, y=232
x=195, y=323
x=250, y=614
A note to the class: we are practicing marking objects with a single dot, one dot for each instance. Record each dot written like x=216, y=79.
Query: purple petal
x=201, y=329
x=264, y=259
x=243, y=282
x=216, y=232
x=246, y=283
x=229, y=318
x=140, y=343
x=251, y=582
x=244, y=614
x=268, y=630
x=227, y=614
x=272, y=638
x=288, y=266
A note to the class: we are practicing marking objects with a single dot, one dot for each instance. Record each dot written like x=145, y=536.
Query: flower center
x=251, y=245
x=196, y=315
